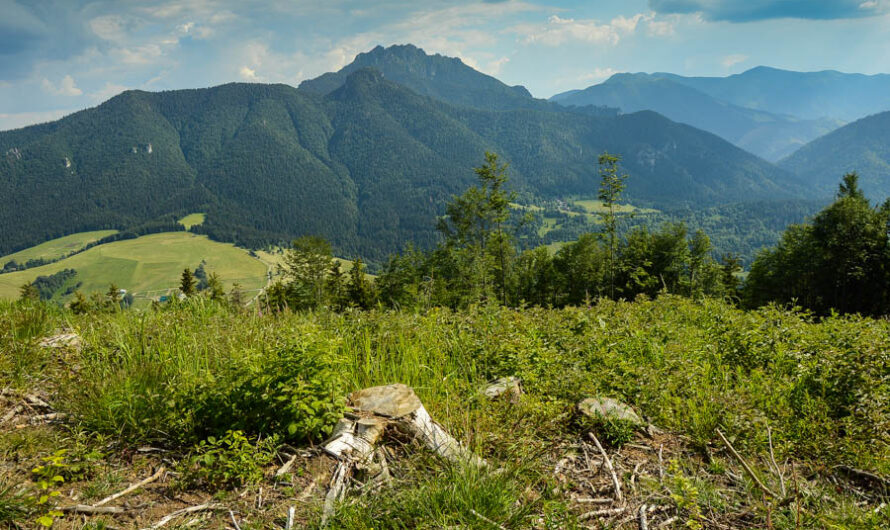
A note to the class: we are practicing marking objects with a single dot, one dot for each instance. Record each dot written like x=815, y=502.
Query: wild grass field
x=57, y=248
x=193, y=219
x=149, y=263
x=805, y=402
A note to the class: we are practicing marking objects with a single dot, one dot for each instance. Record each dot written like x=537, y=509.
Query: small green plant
x=616, y=432
x=685, y=494
x=226, y=462
x=48, y=477
x=14, y=505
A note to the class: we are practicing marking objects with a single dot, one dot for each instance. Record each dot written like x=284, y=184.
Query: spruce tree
x=187, y=282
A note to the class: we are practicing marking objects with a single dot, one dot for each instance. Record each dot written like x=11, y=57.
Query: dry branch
x=772, y=457
x=92, y=510
x=602, y=513
x=286, y=467
x=745, y=465
x=642, y=522
x=191, y=509
x=132, y=488
x=487, y=520
x=609, y=466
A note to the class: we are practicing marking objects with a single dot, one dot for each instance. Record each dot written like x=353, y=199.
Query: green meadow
x=57, y=248
x=149, y=265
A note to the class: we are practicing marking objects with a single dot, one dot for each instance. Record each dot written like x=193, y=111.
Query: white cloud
x=560, y=30
x=494, y=67
x=109, y=27
x=660, y=28
x=597, y=75
x=870, y=4
x=731, y=60
x=107, y=92
x=248, y=74
x=67, y=87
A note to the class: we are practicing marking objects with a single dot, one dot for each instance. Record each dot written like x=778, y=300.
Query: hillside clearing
x=57, y=248
x=191, y=220
x=149, y=266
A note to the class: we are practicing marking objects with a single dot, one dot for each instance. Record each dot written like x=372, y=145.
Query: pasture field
x=193, y=219
x=57, y=248
x=149, y=265
x=596, y=206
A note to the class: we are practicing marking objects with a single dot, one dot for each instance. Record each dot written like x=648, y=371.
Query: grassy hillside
x=193, y=219
x=802, y=401
x=148, y=263
x=57, y=248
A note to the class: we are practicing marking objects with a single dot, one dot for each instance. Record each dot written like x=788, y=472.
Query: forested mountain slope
x=369, y=165
x=862, y=146
x=771, y=136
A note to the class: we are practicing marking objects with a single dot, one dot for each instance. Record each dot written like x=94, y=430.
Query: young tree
x=306, y=265
x=187, y=282
x=360, y=290
x=29, y=292
x=335, y=286
x=114, y=297
x=236, y=296
x=476, y=232
x=215, y=288
x=611, y=186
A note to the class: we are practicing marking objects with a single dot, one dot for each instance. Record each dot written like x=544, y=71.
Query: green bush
x=296, y=393
x=225, y=463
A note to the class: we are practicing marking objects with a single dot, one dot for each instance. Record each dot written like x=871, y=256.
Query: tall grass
x=175, y=376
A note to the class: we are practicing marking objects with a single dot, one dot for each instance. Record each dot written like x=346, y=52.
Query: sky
x=58, y=56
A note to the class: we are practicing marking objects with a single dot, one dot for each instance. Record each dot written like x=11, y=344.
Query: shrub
x=227, y=462
x=297, y=394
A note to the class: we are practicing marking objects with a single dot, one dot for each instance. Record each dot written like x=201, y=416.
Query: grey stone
x=610, y=409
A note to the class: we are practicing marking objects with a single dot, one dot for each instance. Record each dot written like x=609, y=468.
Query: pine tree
x=215, y=288
x=360, y=291
x=187, y=283
x=29, y=292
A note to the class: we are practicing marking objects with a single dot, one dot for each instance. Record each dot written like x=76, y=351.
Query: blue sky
x=57, y=56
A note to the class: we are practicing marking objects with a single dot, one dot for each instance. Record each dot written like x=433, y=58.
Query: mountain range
x=367, y=157
x=766, y=111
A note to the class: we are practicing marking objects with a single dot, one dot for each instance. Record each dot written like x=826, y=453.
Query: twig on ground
x=290, y=518
x=609, y=466
x=11, y=414
x=600, y=513
x=286, y=467
x=667, y=522
x=772, y=457
x=642, y=522
x=745, y=465
x=234, y=522
x=92, y=510
x=191, y=509
x=487, y=520
x=306, y=492
x=134, y=487
x=660, y=463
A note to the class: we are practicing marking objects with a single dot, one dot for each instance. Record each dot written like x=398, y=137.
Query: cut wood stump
x=376, y=411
